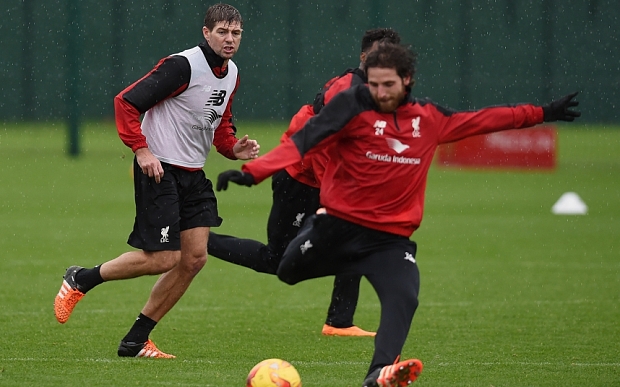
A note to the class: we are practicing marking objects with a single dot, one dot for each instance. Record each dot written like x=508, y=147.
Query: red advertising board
x=533, y=148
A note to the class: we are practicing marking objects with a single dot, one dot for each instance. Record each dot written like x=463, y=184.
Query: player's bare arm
x=246, y=149
x=149, y=164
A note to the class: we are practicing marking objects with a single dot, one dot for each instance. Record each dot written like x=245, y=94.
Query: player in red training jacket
x=296, y=197
x=382, y=142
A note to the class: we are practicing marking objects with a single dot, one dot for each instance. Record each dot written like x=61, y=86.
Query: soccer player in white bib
x=186, y=101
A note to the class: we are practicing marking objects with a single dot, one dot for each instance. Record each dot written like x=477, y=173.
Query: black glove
x=559, y=110
x=234, y=176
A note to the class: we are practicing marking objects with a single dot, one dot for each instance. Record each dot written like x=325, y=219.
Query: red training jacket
x=379, y=162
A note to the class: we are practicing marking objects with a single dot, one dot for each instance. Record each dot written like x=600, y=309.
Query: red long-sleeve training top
x=379, y=162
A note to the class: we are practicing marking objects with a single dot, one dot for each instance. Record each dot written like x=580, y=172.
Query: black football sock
x=140, y=331
x=88, y=278
x=344, y=301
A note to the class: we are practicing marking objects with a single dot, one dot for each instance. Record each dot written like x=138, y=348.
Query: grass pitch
x=511, y=294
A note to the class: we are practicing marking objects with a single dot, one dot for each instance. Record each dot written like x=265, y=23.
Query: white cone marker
x=569, y=204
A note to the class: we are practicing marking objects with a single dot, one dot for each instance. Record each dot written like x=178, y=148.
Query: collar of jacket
x=408, y=97
x=215, y=61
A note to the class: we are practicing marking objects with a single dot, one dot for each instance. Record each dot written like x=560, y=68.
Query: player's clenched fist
x=237, y=177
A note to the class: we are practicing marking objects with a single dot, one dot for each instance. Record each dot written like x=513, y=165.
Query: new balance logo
x=409, y=257
x=164, y=234
x=307, y=245
x=379, y=126
x=217, y=98
x=298, y=219
x=210, y=115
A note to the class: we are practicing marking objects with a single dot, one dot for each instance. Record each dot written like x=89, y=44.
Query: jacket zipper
x=396, y=121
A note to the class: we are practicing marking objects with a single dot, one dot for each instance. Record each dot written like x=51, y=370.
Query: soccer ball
x=273, y=373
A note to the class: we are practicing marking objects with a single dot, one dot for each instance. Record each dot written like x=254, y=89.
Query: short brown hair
x=222, y=12
x=393, y=56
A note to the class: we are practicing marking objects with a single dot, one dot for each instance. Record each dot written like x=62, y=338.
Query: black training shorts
x=293, y=203
x=181, y=201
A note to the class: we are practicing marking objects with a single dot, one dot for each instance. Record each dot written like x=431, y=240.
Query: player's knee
x=193, y=263
x=198, y=264
x=164, y=261
x=405, y=294
x=410, y=297
x=414, y=301
x=271, y=265
x=286, y=276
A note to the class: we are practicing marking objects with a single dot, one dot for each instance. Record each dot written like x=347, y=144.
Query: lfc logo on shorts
x=298, y=219
x=164, y=234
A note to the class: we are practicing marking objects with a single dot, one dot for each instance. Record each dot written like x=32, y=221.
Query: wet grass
x=512, y=295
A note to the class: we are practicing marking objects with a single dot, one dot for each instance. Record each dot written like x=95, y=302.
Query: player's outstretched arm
x=560, y=109
x=235, y=176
